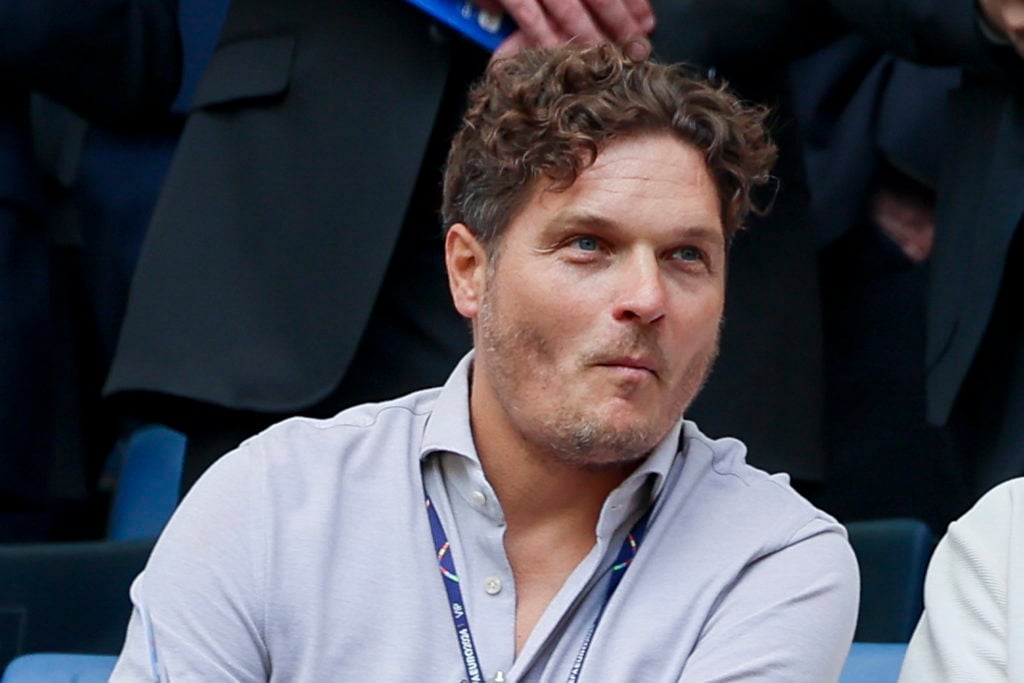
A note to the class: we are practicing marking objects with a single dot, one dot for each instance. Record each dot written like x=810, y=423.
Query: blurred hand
x=1006, y=17
x=547, y=23
x=907, y=220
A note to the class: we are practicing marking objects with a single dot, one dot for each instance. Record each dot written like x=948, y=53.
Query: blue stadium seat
x=893, y=556
x=73, y=597
x=873, y=663
x=147, y=485
x=67, y=597
x=59, y=668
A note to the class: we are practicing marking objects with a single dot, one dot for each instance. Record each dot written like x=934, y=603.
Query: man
x=238, y=340
x=580, y=526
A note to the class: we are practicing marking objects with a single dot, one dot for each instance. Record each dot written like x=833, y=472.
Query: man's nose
x=641, y=294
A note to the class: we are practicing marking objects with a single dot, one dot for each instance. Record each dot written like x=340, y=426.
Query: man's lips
x=639, y=363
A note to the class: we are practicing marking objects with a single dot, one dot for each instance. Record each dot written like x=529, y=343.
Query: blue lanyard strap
x=452, y=587
x=622, y=561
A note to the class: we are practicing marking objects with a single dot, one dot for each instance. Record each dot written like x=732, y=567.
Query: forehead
x=649, y=182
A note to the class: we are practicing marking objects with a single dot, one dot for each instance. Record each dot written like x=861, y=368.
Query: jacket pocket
x=244, y=70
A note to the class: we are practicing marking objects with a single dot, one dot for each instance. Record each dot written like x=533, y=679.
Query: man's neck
x=535, y=484
x=538, y=488
x=551, y=508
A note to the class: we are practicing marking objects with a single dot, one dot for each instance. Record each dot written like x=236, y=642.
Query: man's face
x=597, y=320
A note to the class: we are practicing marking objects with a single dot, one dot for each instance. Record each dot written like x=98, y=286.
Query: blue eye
x=586, y=243
x=689, y=254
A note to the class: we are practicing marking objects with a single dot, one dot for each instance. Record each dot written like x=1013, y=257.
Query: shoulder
x=307, y=474
x=734, y=516
x=1000, y=508
x=981, y=544
x=769, y=578
x=399, y=421
x=970, y=602
x=720, y=477
x=299, y=456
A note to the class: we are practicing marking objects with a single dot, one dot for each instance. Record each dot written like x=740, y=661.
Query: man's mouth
x=634, y=364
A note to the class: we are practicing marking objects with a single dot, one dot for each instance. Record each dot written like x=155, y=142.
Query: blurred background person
x=115, y=63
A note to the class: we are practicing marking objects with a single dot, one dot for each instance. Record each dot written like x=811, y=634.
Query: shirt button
x=492, y=585
x=478, y=498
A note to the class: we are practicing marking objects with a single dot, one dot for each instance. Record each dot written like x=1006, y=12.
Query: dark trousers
x=883, y=458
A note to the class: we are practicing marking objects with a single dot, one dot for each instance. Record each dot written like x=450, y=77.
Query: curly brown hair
x=551, y=112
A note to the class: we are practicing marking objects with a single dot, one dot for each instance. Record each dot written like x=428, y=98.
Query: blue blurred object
x=148, y=483
x=59, y=668
x=201, y=22
x=872, y=663
x=484, y=28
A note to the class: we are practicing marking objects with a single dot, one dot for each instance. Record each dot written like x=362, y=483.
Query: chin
x=601, y=443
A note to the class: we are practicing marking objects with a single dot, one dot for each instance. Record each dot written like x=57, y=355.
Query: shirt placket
x=550, y=652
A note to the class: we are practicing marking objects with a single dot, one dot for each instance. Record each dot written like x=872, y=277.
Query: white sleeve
x=198, y=605
x=789, y=618
x=962, y=635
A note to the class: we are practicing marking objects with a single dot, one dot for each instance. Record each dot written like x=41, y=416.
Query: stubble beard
x=517, y=356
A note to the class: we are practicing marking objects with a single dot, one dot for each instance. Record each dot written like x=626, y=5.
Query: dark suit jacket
x=283, y=206
x=981, y=204
x=981, y=184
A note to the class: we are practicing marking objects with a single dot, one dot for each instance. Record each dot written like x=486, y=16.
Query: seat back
x=873, y=663
x=73, y=597
x=67, y=597
x=893, y=556
x=148, y=483
x=46, y=667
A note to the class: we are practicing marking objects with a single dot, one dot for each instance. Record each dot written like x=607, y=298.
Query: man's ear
x=466, y=261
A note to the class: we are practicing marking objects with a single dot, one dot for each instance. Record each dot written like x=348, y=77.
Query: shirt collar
x=448, y=429
x=659, y=462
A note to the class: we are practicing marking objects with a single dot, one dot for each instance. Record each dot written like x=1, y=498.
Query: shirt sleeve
x=789, y=618
x=962, y=635
x=198, y=605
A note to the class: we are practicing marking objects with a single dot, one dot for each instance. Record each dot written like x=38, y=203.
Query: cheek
x=558, y=308
x=701, y=320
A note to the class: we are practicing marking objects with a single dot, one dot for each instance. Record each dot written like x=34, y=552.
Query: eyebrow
x=576, y=219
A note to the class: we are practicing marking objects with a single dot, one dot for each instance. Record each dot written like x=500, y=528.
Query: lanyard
x=451, y=585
